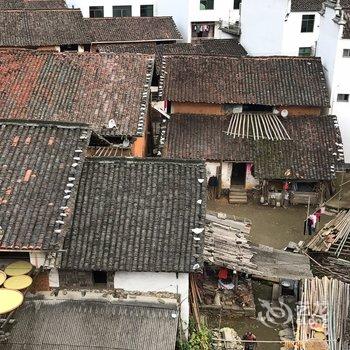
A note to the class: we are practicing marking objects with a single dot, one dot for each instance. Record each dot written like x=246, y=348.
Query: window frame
x=145, y=6
x=305, y=24
x=305, y=48
x=348, y=53
x=237, y=4
x=121, y=8
x=96, y=8
x=206, y=1
x=346, y=99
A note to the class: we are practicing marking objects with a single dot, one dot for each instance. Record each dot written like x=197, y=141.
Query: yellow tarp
x=18, y=268
x=9, y=300
x=18, y=282
x=2, y=277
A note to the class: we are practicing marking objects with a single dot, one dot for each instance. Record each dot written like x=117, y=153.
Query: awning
x=257, y=126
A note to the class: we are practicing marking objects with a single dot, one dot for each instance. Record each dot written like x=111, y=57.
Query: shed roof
x=88, y=88
x=132, y=29
x=32, y=4
x=306, y=5
x=34, y=28
x=40, y=164
x=273, y=81
x=137, y=215
x=311, y=154
x=90, y=325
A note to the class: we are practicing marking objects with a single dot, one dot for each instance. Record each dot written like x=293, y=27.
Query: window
x=146, y=10
x=307, y=23
x=346, y=53
x=96, y=11
x=202, y=30
x=343, y=98
x=72, y=48
x=305, y=51
x=99, y=278
x=236, y=4
x=207, y=4
x=121, y=11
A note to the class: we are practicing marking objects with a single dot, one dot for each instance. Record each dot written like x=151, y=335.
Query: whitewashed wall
x=262, y=26
x=179, y=10
x=37, y=259
x=341, y=85
x=330, y=48
x=293, y=38
x=269, y=28
x=185, y=12
x=108, y=4
x=157, y=282
x=213, y=170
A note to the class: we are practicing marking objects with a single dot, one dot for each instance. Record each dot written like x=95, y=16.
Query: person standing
x=249, y=345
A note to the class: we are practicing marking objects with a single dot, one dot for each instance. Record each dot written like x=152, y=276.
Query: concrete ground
x=271, y=226
x=343, y=199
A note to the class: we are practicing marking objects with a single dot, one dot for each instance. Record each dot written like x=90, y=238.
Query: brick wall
x=197, y=108
x=298, y=111
x=81, y=279
x=41, y=282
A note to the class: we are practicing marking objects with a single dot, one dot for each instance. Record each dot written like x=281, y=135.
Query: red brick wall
x=41, y=282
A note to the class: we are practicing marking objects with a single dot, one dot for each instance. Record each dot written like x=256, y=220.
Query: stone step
x=237, y=201
x=243, y=196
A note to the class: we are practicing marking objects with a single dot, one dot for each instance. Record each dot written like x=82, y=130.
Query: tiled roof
x=137, y=215
x=274, y=81
x=39, y=164
x=132, y=29
x=22, y=28
x=306, y=5
x=141, y=47
x=312, y=153
x=31, y=4
x=88, y=88
x=215, y=47
x=90, y=325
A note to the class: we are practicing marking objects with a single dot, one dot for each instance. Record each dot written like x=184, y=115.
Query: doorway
x=238, y=174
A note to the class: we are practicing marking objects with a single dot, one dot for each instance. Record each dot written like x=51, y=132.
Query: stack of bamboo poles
x=336, y=232
x=323, y=314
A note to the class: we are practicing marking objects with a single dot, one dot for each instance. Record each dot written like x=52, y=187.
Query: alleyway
x=271, y=226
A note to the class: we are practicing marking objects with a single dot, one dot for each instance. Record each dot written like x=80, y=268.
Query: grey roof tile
x=91, y=325
x=132, y=29
x=35, y=28
x=87, y=88
x=137, y=215
x=36, y=162
x=310, y=153
x=274, y=81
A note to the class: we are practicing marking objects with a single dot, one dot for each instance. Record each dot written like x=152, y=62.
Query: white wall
x=157, y=282
x=262, y=25
x=185, y=12
x=213, y=169
x=293, y=38
x=37, y=259
x=108, y=4
x=341, y=85
x=179, y=10
x=330, y=48
x=269, y=28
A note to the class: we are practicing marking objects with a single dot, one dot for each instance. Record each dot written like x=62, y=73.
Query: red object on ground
x=223, y=273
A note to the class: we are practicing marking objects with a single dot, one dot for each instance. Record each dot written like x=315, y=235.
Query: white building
x=115, y=8
x=334, y=49
x=195, y=18
x=280, y=27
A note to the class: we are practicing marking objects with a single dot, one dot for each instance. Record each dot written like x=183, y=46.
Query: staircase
x=238, y=195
